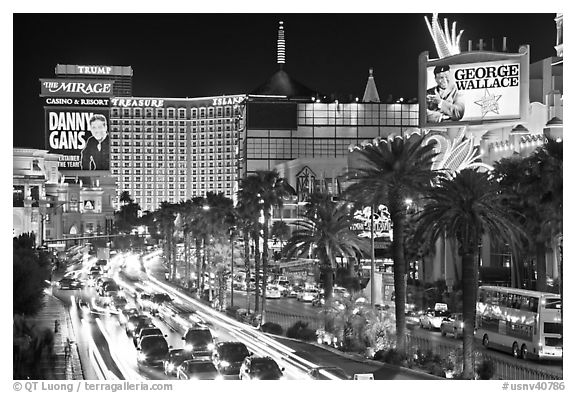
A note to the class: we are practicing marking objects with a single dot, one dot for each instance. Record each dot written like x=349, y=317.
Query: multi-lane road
x=108, y=353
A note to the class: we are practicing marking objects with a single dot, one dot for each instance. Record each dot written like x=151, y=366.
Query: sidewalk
x=60, y=366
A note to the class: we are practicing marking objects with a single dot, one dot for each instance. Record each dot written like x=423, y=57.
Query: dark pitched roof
x=281, y=84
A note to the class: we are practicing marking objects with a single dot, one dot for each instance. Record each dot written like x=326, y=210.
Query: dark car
x=228, y=357
x=126, y=314
x=327, y=373
x=199, y=341
x=146, y=331
x=137, y=322
x=152, y=351
x=257, y=368
x=198, y=369
x=175, y=359
x=70, y=283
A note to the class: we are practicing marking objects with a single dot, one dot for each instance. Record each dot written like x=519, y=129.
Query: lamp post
x=232, y=229
x=372, y=259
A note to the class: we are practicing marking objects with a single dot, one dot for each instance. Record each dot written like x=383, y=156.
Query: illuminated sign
x=227, y=100
x=65, y=101
x=137, y=102
x=88, y=204
x=80, y=136
x=382, y=222
x=94, y=70
x=304, y=181
x=75, y=88
x=473, y=88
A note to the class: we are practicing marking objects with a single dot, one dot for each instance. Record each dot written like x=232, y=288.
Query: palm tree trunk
x=328, y=289
x=469, y=294
x=186, y=258
x=265, y=265
x=247, y=266
x=198, y=263
x=398, y=220
x=541, y=284
x=256, y=238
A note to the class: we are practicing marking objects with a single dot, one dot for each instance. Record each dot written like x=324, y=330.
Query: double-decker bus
x=527, y=323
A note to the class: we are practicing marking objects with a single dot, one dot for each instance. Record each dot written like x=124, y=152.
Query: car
x=198, y=369
x=175, y=358
x=152, y=351
x=340, y=292
x=103, y=264
x=125, y=314
x=144, y=301
x=119, y=302
x=432, y=319
x=146, y=331
x=69, y=283
x=199, y=340
x=273, y=292
x=307, y=295
x=319, y=300
x=158, y=299
x=294, y=290
x=454, y=324
x=260, y=368
x=108, y=288
x=136, y=322
x=327, y=373
x=412, y=319
x=228, y=357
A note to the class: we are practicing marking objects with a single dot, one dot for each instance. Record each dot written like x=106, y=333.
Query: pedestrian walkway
x=64, y=364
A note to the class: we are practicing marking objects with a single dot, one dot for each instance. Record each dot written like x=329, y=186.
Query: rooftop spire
x=371, y=93
x=281, y=56
x=446, y=41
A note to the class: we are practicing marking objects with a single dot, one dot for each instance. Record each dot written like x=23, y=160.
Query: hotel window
x=210, y=112
x=149, y=113
x=202, y=113
x=115, y=112
x=219, y=111
x=228, y=111
x=137, y=112
x=159, y=112
x=181, y=113
x=138, y=171
x=171, y=113
x=126, y=112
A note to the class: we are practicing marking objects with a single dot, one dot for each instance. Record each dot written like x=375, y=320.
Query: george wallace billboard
x=77, y=116
x=473, y=88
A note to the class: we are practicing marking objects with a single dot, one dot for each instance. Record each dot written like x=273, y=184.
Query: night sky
x=196, y=55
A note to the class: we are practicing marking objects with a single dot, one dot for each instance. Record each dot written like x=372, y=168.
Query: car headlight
x=224, y=363
x=218, y=378
x=170, y=367
x=188, y=347
x=210, y=346
x=141, y=357
x=130, y=326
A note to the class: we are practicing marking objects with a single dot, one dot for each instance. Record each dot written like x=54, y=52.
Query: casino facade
x=172, y=149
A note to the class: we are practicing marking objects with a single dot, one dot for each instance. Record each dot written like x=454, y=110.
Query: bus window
x=555, y=304
x=552, y=328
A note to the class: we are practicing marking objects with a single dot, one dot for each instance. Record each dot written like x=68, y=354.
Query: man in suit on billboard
x=96, y=154
x=444, y=101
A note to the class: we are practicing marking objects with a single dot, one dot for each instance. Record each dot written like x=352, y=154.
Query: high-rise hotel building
x=165, y=149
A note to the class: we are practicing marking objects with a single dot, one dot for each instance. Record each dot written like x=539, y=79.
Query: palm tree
x=165, y=216
x=391, y=171
x=325, y=233
x=466, y=207
x=536, y=185
x=280, y=231
x=246, y=219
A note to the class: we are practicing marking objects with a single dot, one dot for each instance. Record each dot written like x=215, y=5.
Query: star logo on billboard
x=489, y=103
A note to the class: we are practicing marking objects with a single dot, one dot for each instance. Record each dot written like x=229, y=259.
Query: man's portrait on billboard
x=96, y=154
x=444, y=102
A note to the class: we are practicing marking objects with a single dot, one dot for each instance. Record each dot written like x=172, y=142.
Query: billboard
x=473, y=88
x=80, y=135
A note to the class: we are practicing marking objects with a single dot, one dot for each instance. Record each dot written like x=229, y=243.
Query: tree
x=536, y=186
x=268, y=190
x=280, y=232
x=324, y=232
x=391, y=171
x=126, y=218
x=247, y=220
x=31, y=272
x=466, y=207
x=165, y=217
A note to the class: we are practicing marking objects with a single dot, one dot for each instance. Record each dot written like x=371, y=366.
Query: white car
x=307, y=295
x=432, y=319
x=273, y=292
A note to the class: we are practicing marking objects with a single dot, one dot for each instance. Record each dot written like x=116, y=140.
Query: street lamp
x=232, y=229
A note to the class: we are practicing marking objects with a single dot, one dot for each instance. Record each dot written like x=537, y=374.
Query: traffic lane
x=328, y=357
x=82, y=331
x=436, y=338
x=284, y=305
